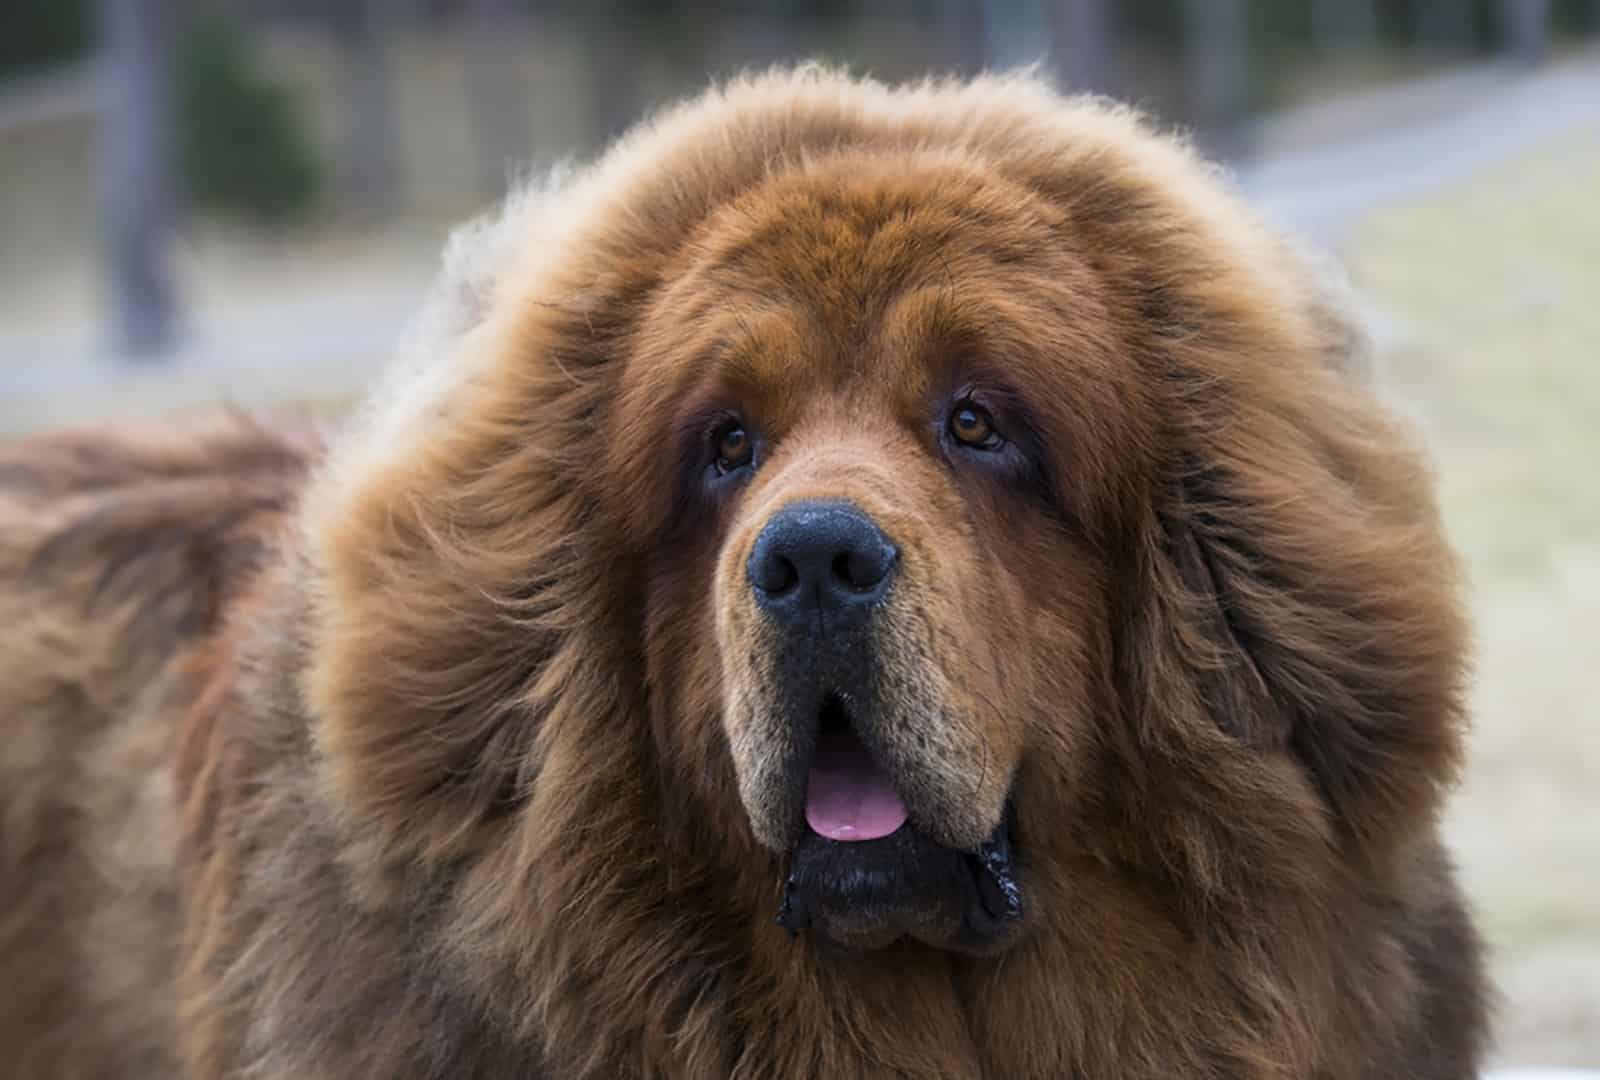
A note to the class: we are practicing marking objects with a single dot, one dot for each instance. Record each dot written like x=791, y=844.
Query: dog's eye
x=734, y=448
x=971, y=425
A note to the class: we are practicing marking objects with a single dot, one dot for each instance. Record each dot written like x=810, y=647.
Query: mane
x=472, y=673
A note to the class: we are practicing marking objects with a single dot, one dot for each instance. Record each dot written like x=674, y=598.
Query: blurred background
x=242, y=201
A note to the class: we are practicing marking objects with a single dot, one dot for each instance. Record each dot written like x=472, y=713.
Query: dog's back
x=119, y=554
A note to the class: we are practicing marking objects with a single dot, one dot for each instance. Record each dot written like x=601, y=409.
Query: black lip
x=994, y=875
x=904, y=884
x=793, y=915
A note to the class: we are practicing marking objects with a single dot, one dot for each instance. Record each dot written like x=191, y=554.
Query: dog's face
x=882, y=587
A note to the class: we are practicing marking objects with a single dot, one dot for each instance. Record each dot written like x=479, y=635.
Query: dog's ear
x=455, y=585
x=423, y=654
x=1210, y=570
x=1308, y=591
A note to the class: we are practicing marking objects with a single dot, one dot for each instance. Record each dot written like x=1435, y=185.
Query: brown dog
x=929, y=518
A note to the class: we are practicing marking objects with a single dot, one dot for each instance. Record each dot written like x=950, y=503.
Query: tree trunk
x=1085, y=38
x=497, y=95
x=961, y=27
x=1344, y=25
x=1448, y=26
x=1525, y=30
x=136, y=171
x=609, y=36
x=1215, y=38
x=368, y=157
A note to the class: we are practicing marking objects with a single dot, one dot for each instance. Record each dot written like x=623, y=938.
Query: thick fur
x=451, y=751
x=122, y=555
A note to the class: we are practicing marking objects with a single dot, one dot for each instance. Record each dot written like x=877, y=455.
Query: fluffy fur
x=457, y=750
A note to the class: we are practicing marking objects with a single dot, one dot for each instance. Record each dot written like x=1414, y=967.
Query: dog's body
x=121, y=556
x=490, y=742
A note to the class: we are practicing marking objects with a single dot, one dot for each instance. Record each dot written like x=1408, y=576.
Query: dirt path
x=1321, y=169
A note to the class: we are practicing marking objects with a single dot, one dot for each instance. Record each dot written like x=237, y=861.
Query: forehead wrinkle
x=800, y=343
x=853, y=274
x=772, y=354
x=843, y=245
x=942, y=329
x=938, y=312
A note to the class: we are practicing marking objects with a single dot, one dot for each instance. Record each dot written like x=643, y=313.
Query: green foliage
x=243, y=147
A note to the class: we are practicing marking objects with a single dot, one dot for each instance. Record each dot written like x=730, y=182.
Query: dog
x=861, y=581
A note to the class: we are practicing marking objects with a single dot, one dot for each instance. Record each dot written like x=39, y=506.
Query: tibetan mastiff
x=860, y=582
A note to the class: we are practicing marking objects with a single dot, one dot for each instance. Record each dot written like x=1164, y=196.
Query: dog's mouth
x=863, y=875
x=848, y=797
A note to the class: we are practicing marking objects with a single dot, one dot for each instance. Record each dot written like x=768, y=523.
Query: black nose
x=825, y=557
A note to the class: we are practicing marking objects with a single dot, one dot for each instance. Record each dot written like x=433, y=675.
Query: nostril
x=864, y=568
x=841, y=568
x=776, y=575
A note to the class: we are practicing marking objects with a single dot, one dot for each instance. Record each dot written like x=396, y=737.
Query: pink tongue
x=847, y=798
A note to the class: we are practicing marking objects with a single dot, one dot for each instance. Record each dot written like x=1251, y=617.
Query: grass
x=1498, y=283
x=1495, y=292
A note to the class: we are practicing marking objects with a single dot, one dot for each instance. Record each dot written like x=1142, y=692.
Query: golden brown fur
x=470, y=762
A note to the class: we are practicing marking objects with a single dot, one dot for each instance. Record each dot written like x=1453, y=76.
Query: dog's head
x=948, y=487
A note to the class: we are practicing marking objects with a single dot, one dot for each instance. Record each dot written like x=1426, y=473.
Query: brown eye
x=734, y=448
x=972, y=426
